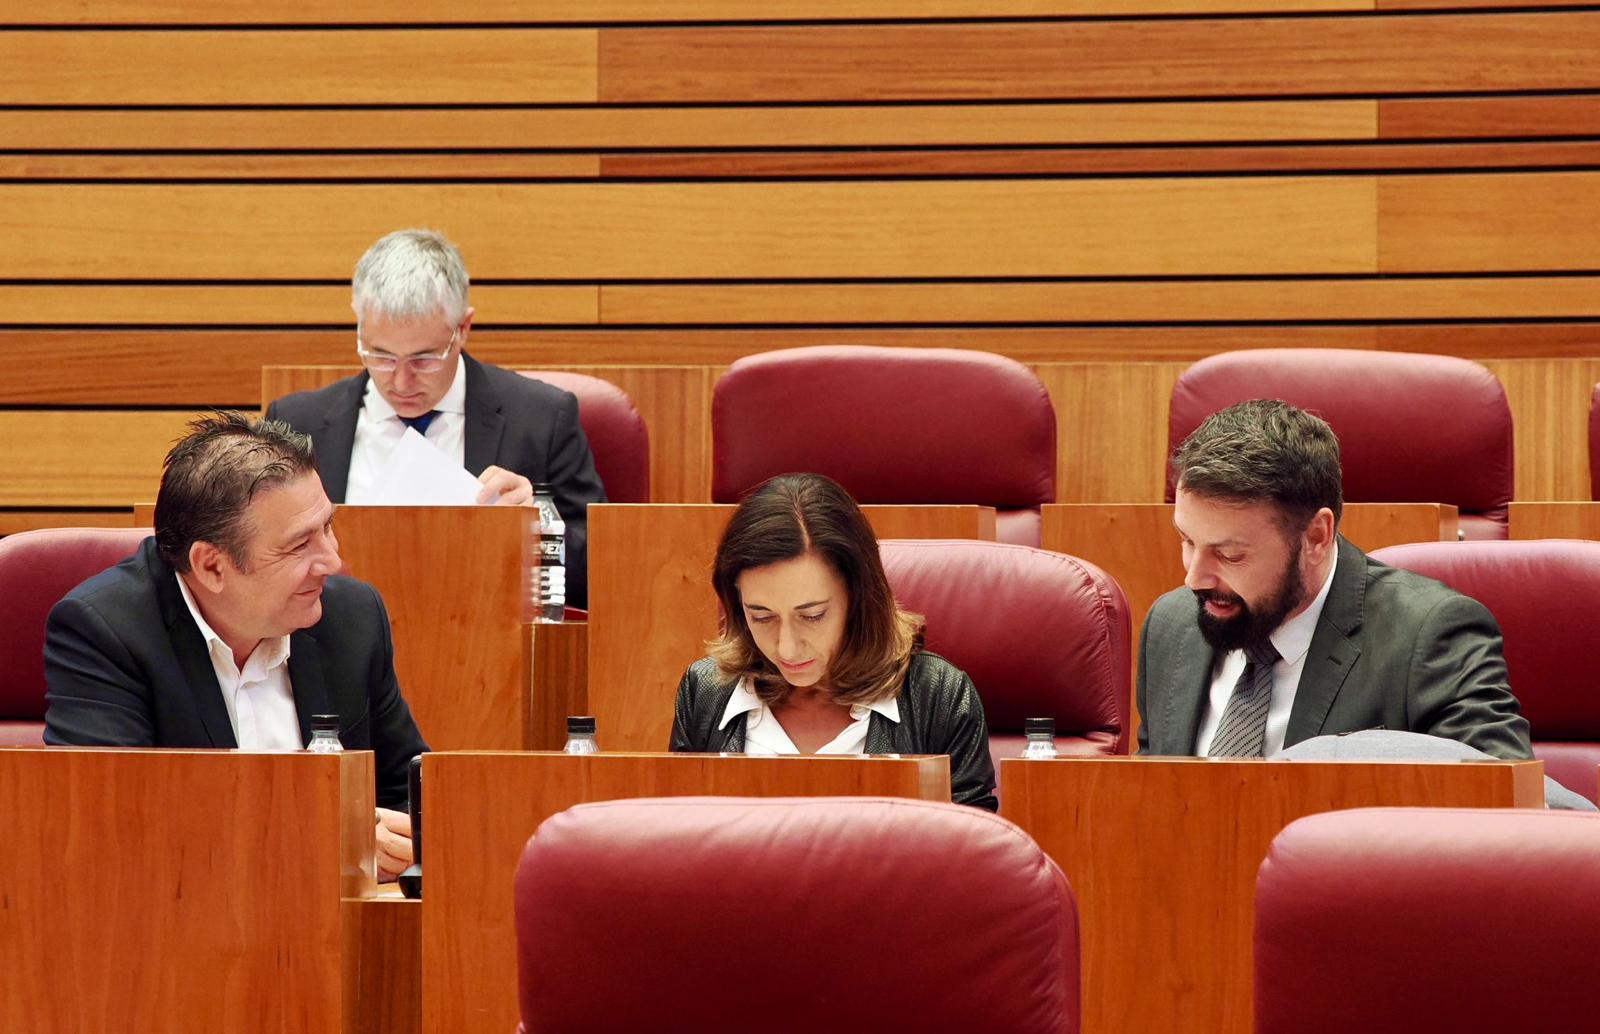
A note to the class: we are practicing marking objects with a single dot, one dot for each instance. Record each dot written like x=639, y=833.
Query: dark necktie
x=420, y=423
x=1243, y=731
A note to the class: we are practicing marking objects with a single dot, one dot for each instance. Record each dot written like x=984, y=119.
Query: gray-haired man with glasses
x=409, y=294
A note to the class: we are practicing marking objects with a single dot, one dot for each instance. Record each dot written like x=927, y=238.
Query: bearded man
x=1284, y=631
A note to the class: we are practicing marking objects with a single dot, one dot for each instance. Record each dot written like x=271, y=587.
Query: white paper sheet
x=417, y=474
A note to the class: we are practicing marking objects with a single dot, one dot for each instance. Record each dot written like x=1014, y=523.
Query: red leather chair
x=37, y=568
x=1400, y=920
x=792, y=914
x=1545, y=593
x=1594, y=443
x=1042, y=635
x=892, y=425
x=1412, y=428
x=617, y=434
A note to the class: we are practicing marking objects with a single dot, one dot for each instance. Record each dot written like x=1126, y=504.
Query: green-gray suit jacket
x=1392, y=650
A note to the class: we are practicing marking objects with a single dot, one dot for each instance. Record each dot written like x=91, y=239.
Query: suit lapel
x=1188, y=681
x=1332, y=654
x=336, y=437
x=305, y=676
x=199, y=677
x=485, y=421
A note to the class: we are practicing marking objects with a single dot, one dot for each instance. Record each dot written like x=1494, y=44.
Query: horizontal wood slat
x=856, y=304
x=374, y=66
x=179, y=167
x=107, y=458
x=1477, y=53
x=656, y=126
x=1418, y=118
x=1537, y=221
x=704, y=230
x=13, y=521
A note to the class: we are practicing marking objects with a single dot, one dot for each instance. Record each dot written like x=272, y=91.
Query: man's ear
x=1321, y=536
x=209, y=566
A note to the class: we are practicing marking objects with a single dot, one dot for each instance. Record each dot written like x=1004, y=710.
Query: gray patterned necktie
x=1243, y=731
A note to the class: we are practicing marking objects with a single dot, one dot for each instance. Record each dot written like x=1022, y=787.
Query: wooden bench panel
x=375, y=66
x=1477, y=53
x=704, y=230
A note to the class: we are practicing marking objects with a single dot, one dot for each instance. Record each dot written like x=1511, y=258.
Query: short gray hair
x=409, y=275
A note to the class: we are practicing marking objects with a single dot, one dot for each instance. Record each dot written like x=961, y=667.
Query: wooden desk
x=180, y=890
x=1555, y=520
x=651, y=607
x=1162, y=855
x=1136, y=544
x=481, y=808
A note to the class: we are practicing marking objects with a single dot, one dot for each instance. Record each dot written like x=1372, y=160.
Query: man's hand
x=394, y=844
x=512, y=489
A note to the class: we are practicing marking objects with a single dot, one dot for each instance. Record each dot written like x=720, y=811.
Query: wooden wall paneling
x=589, y=231
x=467, y=129
x=13, y=521
x=1505, y=221
x=434, y=12
x=1103, y=301
x=1111, y=429
x=1539, y=116
x=1559, y=520
x=313, y=167
x=1550, y=414
x=482, y=808
x=1112, y=59
x=303, y=66
x=89, y=458
x=1485, y=341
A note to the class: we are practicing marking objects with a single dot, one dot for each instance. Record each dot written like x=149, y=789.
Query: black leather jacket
x=940, y=713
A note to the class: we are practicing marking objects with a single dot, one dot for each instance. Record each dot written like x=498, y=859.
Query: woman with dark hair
x=815, y=656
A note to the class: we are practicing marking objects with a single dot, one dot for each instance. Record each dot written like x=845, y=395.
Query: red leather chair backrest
x=1400, y=920
x=617, y=434
x=892, y=425
x=1594, y=443
x=1412, y=428
x=792, y=914
x=1042, y=635
x=1545, y=594
x=37, y=568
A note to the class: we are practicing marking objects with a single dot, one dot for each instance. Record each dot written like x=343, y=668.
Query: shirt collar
x=744, y=700
x=1293, y=637
x=269, y=652
x=454, y=399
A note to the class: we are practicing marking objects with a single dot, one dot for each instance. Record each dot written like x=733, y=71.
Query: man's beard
x=1252, y=626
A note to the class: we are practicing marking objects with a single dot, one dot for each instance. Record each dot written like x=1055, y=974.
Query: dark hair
x=211, y=475
x=1264, y=449
x=790, y=516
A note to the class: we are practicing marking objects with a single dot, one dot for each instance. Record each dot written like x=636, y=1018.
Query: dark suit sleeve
x=683, y=715
x=569, y=468
x=1459, y=688
x=94, y=692
x=1139, y=690
x=395, y=738
x=967, y=743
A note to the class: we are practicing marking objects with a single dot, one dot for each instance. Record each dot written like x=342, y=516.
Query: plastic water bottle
x=325, y=734
x=550, y=588
x=580, y=736
x=1041, y=738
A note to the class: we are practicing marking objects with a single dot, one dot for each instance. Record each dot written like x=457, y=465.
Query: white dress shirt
x=764, y=734
x=1292, y=640
x=379, y=429
x=259, y=698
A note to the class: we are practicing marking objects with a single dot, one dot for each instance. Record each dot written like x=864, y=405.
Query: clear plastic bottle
x=325, y=734
x=1041, y=738
x=580, y=735
x=550, y=581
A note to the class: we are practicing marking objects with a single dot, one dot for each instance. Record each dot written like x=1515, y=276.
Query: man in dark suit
x=230, y=628
x=1284, y=631
x=409, y=294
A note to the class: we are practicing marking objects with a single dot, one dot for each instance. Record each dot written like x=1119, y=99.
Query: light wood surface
x=652, y=608
x=304, y=66
x=14, y=521
x=108, y=458
x=1549, y=401
x=212, y=878
x=1505, y=222
x=383, y=939
x=1567, y=520
x=1111, y=428
x=560, y=686
x=1162, y=857
x=482, y=808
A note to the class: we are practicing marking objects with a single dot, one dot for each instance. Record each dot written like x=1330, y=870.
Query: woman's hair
x=790, y=516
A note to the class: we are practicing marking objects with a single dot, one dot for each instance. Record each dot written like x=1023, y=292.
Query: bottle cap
x=324, y=723
x=580, y=723
x=541, y=488
x=1044, y=726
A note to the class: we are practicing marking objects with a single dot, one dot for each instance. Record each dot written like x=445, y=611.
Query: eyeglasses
x=421, y=362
